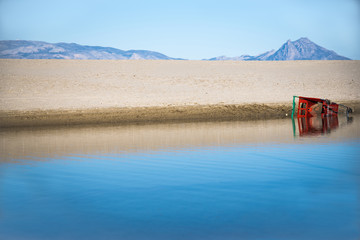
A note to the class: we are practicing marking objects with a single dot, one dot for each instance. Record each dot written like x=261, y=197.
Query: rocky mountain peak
x=304, y=49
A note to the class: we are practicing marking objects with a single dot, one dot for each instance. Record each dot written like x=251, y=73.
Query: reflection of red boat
x=316, y=116
x=316, y=126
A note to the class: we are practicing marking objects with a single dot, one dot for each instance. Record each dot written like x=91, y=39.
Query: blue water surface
x=296, y=190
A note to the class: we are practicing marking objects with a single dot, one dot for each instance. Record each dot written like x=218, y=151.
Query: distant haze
x=301, y=49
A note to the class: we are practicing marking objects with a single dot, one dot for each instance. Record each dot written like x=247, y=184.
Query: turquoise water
x=234, y=180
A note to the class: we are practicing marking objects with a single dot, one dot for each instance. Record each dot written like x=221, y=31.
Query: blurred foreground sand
x=51, y=88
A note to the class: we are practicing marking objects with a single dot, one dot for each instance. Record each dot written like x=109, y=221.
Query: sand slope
x=73, y=85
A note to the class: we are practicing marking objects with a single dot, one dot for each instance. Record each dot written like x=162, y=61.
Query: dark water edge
x=149, y=115
x=228, y=180
x=144, y=115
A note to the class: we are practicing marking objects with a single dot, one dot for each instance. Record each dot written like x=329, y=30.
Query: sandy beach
x=55, y=92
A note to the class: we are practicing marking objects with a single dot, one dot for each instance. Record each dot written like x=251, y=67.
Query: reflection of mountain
x=44, y=50
x=301, y=49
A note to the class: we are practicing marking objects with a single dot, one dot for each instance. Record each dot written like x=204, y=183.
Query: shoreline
x=143, y=115
x=148, y=115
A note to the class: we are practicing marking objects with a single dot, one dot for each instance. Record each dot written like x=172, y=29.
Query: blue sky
x=192, y=29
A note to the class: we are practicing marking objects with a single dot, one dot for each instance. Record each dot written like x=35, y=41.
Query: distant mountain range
x=42, y=50
x=301, y=49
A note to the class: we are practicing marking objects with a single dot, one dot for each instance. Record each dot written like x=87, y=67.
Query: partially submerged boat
x=310, y=107
x=317, y=116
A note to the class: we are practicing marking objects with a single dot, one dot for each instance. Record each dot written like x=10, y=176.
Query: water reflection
x=227, y=180
x=51, y=142
x=315, y=126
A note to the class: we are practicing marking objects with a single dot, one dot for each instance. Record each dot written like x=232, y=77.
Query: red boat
x=310, y=107
x=316, y=116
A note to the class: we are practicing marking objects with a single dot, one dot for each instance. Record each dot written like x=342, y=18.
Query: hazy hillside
x=42, y=50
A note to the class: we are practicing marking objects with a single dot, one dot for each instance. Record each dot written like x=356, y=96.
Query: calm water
x=226, y=180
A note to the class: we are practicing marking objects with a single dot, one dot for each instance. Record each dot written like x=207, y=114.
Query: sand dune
x=59, y=87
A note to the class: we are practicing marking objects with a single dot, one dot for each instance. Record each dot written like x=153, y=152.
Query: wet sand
x=67, y=92
x=144, y=115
